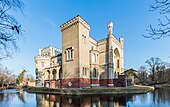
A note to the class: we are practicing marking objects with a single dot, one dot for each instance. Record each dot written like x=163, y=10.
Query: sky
x=41, y=19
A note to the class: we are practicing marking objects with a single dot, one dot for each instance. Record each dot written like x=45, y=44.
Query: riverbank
x=161, y=85
x=137, y=89
x=11, y=87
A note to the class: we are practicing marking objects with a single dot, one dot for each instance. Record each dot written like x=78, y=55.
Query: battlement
x=73, y=21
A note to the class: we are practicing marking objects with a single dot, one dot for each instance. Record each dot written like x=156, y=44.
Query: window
x=42, y=64
x=94, y=72
x=84, y=71
x=117, y=63
x=96, y=58
x=60, y=73
x=54, y=74
x=59, y=62
x=92, y=48
x=48, y=75
x=93, y=58
x=69, y=54
x=48, y=54
x=83, y=38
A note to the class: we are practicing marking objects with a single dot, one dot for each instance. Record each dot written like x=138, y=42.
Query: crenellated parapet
x=74, y=21
x=42, y=57
x=102, y=41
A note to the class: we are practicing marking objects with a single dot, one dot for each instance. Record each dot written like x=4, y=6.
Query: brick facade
x=86, y=82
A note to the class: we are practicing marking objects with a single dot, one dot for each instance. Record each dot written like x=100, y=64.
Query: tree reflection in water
x=21, y=96
x=16, y=98
x=159, y=97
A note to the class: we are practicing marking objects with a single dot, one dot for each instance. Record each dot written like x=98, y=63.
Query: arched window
x=54, y=74
x=60, y=73
x=48, y=75
x=117, y=59
x=94, y=72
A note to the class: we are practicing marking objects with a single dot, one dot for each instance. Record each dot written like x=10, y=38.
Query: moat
x=14, y=98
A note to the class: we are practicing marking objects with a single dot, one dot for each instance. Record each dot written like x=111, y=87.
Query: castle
x=83, y=61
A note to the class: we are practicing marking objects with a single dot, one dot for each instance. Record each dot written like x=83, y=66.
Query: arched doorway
x=47, y=79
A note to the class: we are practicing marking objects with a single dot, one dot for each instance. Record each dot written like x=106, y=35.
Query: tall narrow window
x=96, y=58
x=42, y=64
x=48, y=75
x=117, y=63
x=83, y=38
x=60, y=73
x=84, y=71
x=93, y=57
x=92, y=48
x=69, y=54
x=54, y=74
x=94, y=72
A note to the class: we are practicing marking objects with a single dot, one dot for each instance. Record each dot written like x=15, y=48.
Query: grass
x=92, y=91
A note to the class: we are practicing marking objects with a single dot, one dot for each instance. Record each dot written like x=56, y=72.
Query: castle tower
x=122, y=54
x=110, y=67
x=75, y=53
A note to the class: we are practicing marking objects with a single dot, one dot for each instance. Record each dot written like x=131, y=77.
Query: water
x=15, y=98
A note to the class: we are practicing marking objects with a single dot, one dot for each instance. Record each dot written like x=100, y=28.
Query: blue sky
x=41, y=20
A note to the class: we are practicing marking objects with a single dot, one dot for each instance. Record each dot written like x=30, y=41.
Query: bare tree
x=6, y=77
x=167, y=76
x=10, y=29
x=163, y=27
x=142, y=74
x=162, y=73
x=152, y=66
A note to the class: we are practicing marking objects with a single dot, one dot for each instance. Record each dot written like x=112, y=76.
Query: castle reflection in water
x=13, y=98
x=47, y=100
